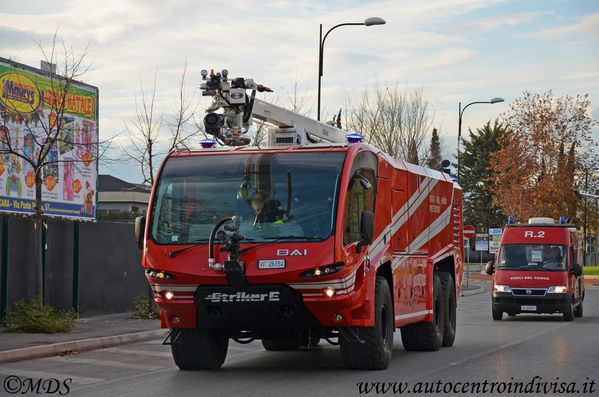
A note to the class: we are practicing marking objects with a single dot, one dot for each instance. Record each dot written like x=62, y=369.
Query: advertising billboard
x=39, y=117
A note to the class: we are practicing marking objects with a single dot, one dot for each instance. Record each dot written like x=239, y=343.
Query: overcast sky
x=455, y=50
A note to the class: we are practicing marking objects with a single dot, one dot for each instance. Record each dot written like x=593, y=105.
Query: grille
x=533, y=291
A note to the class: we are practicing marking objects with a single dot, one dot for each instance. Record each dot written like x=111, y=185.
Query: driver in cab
x=267, y=211
x=555, y=259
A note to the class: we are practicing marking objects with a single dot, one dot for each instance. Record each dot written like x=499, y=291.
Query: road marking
x=102, y=363
x=487, y=353
x=166, y=354
x=45, y=375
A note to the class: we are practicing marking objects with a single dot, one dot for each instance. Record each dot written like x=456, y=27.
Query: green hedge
x=38, y=318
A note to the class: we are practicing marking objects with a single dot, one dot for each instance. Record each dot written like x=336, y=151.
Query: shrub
x=37, y=317
x=141, y=307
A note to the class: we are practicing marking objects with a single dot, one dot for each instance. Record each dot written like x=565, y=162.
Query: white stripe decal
x=409, y=315
x=332, y=283
x=174, y=288
x=403, y=214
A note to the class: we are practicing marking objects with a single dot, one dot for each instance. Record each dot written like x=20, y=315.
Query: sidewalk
x=93, y=332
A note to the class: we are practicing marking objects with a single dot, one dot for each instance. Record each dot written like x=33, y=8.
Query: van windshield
x=276, y=195
x=536, y=257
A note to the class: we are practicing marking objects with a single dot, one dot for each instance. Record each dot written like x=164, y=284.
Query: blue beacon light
x=207, y=143
x=354, y=138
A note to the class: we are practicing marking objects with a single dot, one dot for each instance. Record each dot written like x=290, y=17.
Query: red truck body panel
x=417, y=227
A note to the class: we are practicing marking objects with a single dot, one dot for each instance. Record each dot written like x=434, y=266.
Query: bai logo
x=295, y=252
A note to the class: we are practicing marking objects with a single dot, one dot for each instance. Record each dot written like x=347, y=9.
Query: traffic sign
x=469, y=231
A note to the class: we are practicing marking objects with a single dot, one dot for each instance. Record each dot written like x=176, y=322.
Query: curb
x=477, y=290
x=78, y=345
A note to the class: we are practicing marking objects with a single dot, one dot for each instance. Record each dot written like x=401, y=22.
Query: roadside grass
x=38, y=318
x=591, y=270
x=141, y=307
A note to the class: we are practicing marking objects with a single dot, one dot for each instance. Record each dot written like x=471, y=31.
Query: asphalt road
x=508, y=352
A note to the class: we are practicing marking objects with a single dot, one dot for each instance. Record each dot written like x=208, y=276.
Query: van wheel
x=569, y=313
x=497, y=316
x=427, y=335
x=281, y=344
x=578, y=310
x=201, y=348
x=375, y=353
x=450, y=309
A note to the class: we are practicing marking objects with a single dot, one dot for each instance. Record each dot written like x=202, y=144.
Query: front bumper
x=262, y=309
x=549, y=303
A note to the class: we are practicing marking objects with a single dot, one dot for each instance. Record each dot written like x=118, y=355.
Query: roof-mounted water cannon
x=233, y=123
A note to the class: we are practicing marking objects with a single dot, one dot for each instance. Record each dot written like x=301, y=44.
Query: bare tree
x=186, y=108
x=394, y=120
x=144, y=130
x=48, y=130
x=148, y=141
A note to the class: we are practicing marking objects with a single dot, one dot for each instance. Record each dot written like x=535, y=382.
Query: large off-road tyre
x=202, y=348
x=578, y=310
x=281, y=344
x=427, y=336
x=375, y=352
x=448, y=287
x=569, y=313
x=497, y=316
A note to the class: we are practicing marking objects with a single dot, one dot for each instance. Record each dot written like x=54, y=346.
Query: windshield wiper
x=281, y=239
x=195, y=244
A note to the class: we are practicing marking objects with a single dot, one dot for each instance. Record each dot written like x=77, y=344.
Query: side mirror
x=140, y=226
x=576, y=269
x=366, y=229
x=489, y=268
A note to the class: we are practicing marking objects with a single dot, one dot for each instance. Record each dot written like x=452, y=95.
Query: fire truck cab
x=537, y=270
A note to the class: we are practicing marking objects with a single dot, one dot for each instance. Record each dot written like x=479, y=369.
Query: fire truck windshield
x=274, y=195
x=538, y=257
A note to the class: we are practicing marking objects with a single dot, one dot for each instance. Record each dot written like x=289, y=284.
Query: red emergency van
x=537, y=270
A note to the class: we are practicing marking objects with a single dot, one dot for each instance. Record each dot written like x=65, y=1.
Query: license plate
x=271, y=264
x=528, y=308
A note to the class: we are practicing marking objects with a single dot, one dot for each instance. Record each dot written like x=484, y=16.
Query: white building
x=116, y=196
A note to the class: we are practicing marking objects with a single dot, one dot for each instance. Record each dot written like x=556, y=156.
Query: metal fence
x=93, y=267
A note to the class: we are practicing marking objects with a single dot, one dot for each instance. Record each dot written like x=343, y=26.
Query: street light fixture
x=368, y=22
x=461, y=112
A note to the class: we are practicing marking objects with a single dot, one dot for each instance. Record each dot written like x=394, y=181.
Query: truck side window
x=360, y=195
x=573, y=257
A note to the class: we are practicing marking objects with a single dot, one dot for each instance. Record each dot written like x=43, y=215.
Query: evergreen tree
x=476, y=177
x=434, y=158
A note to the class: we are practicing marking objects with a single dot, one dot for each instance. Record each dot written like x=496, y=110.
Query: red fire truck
x=296, y=242
x=538, y=270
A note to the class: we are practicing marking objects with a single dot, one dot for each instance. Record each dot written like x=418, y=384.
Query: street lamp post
x=368, y=22
x=461, y=112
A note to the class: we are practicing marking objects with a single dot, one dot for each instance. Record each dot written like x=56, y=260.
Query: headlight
x=159, y=275
x=502, y=288
x=323, y=270
x=558, y=289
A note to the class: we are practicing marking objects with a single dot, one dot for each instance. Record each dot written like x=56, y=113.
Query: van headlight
x=502, y=288
x=558, y=289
